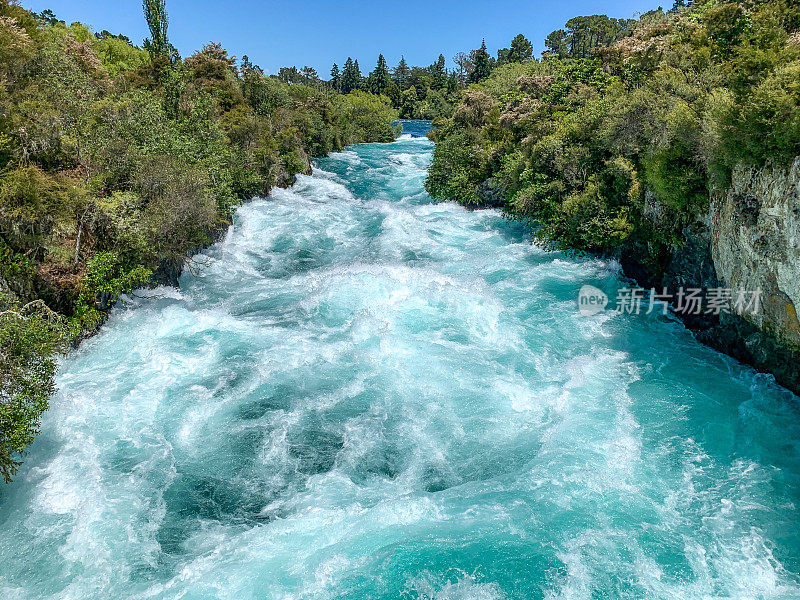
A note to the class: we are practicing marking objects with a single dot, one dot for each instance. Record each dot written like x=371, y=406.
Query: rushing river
x=360, y=393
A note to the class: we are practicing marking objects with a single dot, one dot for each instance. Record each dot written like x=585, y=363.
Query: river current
x=360, y=393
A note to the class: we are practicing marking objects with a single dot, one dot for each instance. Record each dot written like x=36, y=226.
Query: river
x=360, y=393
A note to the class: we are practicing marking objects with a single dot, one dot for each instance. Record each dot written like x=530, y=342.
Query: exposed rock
x=692, y=266
x=756, y=245
x=750, y=240
x=755, y=230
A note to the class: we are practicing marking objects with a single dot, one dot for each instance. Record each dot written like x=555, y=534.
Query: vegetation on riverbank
x=118, y=161
x=614, y=139
x=416, y=92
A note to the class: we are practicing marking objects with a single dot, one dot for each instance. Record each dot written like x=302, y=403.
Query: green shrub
x=31, y=336
x=619, y=151
x=105, y=280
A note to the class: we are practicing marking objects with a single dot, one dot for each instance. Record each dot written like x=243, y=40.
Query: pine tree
x=336, y=79
x=155, y=13
x=482, y=67
x=351, y=76
x=309, y=75
x=49, y=17
x=358, y=77
x=521, y=49
x=379, y=79
x=248, y=68
x=401, y=73
x=502, y=56
x=439, y=73
x=677, y=6
x=452, y=82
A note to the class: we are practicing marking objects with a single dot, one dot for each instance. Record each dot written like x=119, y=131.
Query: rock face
x=755, y=244
x=749, y=240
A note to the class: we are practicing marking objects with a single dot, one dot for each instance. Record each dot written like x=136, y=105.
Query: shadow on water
x=414, y=127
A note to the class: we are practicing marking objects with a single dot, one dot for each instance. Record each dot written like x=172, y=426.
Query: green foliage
x=438, y=73
x=118, y=56
x=401, y=73
x=482, y=68
x=105, y=280
x=336, y=78
x=614, y=140
x=364, y=117
x=105, y=276
x=416, y=92
x=155, y=13
x=30, y=337
x=583, y=35
x=379, y=79
x=521, y=49
x=765, y=124
x=351, y=76
x=455, y=170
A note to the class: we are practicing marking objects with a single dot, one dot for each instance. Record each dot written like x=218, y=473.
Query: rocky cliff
x=755, y=244
x=749, y=240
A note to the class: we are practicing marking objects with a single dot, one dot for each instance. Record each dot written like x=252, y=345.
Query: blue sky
x=317, y=33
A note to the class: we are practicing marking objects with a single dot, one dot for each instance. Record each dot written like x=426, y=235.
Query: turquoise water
x=363, y=394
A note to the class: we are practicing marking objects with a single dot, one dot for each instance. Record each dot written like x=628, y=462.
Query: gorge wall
x=750, y=240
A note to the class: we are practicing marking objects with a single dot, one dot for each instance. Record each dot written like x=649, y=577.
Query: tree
x=290, y=75
x=421, y=79
x=465, y=66
x=393, y=92
x=358, y=77
x=521, y=49
x=309, y=75
x=49, y=17
x=379, y=79
x=249, y=68
x=155, y=13
x=439, y=73
x=401, y=73
x=556, y=43
x=502, y=56
x=583, y=35
x=452, y=83
x=677, y=6
x=351, y=76
x=336, y=78
x=408, y=100
x=213, y=71
x=107, y=35
x=482, y=67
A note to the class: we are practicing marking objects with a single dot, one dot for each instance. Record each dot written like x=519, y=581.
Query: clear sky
x=318, y=33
